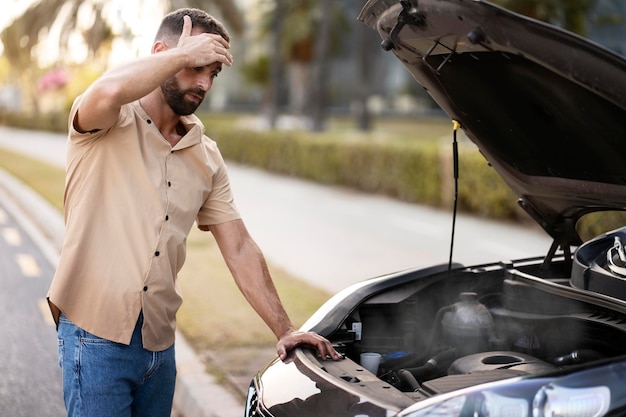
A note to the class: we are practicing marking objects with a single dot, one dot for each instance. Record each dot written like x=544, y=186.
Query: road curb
x=198, y=394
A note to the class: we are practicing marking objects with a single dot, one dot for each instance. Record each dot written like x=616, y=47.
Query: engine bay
x=475, y=325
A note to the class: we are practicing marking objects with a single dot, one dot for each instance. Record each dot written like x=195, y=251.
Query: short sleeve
x=219, y=206
x=77, y=137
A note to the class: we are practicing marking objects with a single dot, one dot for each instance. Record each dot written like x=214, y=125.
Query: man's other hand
x=296, y=338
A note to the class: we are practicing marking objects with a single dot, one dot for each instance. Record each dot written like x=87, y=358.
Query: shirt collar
x=193, y=125
x=195, y=131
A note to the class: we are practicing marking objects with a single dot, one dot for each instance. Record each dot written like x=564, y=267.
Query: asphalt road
x=333, y=236
x=30, y=378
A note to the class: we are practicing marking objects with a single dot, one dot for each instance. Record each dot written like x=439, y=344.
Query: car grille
x=252, y=403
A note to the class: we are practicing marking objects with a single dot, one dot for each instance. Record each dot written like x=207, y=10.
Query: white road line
x=3, y=217
x=12, y=236
x=28, y=265
x=44, y=309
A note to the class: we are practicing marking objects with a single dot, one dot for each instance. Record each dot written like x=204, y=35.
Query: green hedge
x=49, y=121
x=414, y=172
x=388, y=169
x=483, y=192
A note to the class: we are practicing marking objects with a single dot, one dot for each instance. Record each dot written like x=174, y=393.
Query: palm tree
x=276, y=68
x=363, y=115
x=318, y=84
x=25, y=32
x=22, y=36
x=28, y=30
x=301, y=33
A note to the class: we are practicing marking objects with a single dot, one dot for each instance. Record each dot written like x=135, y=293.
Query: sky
x=15, y=8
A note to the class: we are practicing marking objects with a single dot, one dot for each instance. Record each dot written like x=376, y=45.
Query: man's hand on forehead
x=204, y=48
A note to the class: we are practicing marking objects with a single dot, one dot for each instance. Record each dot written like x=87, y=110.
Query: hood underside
x=545, y=107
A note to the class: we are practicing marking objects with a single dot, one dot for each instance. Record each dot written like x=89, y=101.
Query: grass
x=384, y=129
x=214, y=313
x=46, y=179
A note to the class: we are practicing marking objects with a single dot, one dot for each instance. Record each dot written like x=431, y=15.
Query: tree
x=363, y=70
x=570, y=14
x=22, y=36
x=276, y=67
x=301, y=38
x=26, y=31
x=318, y=84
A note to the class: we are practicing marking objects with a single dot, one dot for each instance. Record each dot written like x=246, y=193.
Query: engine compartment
x=477, y=325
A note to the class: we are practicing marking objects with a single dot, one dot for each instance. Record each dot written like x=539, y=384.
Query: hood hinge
x=408, y=16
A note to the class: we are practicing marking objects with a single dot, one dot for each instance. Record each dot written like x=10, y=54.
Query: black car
x=540, y=337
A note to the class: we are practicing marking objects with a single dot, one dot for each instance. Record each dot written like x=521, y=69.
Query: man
x=140, y=172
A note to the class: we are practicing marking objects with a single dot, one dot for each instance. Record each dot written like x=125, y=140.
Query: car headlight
x=553, y=401
x=549, y=401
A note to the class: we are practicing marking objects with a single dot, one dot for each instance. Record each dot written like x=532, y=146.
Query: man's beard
x=175, y=97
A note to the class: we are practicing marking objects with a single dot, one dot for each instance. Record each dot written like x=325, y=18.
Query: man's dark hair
x=172, y=24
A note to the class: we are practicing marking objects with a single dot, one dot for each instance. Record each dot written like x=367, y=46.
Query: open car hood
x=547, y=108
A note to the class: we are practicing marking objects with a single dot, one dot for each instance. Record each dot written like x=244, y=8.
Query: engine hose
x=443, y=358
x=408, y=379
x=436, y=329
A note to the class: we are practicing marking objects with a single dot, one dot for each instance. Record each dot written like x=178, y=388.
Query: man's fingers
x=314, y=340
x=227, y=57
x=186, y=27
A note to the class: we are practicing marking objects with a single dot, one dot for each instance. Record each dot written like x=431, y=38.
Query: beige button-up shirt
x=130, y=202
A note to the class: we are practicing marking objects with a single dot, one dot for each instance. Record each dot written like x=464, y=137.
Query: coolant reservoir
x=468, y=326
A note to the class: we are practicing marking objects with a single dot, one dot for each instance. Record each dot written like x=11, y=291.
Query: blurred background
x=297, y=62
x=311, y=94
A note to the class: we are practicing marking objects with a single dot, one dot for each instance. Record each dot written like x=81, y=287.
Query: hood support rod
x=455, y=161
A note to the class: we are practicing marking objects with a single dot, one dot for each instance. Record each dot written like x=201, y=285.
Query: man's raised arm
x=101, y=102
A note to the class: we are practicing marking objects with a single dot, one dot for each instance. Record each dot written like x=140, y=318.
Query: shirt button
x=169, y=184
x=145, y=288
x=157, y=253
x=149, y=121
x=167, y=217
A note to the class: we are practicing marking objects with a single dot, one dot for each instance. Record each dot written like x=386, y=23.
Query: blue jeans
x=104, y=378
